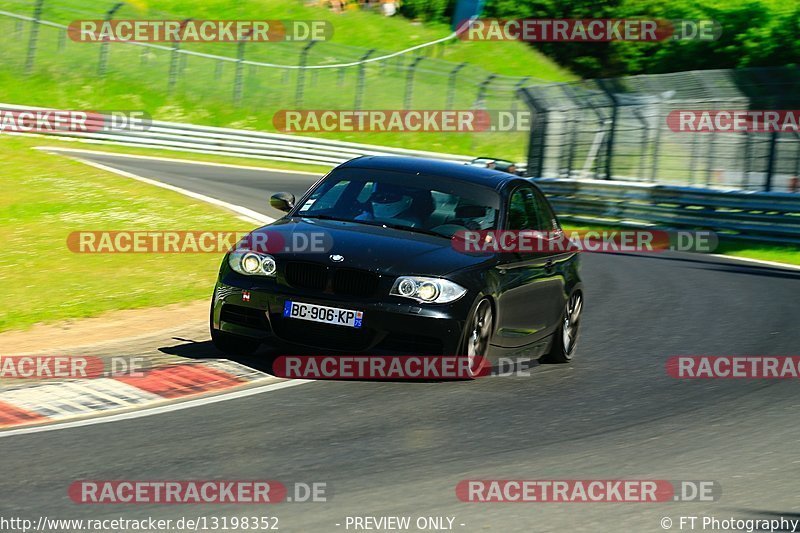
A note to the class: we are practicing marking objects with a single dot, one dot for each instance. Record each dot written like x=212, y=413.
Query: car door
x=530, y=295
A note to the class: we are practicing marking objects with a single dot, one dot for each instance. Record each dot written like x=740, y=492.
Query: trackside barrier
x=763, y=216
x=239, y=143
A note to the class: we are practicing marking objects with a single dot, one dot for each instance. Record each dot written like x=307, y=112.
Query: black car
x=391, y=280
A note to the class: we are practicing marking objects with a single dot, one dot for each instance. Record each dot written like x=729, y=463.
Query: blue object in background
x=465, y=10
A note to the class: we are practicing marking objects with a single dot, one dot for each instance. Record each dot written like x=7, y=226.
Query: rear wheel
x=477, y=335
x=566, y=337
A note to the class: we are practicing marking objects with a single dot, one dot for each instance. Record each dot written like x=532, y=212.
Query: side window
x=546, y=217
x=522, y=210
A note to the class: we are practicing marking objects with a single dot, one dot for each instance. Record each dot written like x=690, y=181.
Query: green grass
x=764, y=252
x=65, y=74
x=45, y=197
x=734, y=248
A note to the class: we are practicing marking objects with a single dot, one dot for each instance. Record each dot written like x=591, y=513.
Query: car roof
x=478, y=175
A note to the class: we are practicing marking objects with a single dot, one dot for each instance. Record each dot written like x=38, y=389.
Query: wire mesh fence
x=33, y=39
x=244, y=85
x=630, y=129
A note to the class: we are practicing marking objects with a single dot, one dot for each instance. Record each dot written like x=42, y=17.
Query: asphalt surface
x=399, y=449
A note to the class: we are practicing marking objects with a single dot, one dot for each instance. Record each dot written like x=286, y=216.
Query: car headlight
x=429, y=290
x=252, y=263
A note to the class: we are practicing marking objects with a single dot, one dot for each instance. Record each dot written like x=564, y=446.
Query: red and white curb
x=55, y=401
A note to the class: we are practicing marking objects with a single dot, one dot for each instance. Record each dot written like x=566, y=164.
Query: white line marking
x=251, y=216
x=158, y=410
x=175, y=160
x=758, y=261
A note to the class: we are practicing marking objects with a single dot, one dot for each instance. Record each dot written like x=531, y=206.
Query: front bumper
x=391, y=324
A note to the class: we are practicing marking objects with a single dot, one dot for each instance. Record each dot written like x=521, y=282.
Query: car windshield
x=424, y=204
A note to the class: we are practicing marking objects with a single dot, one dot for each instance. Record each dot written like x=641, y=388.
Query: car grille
x=306, y=275
x=244, y=316
x=342, y=281
x=354, y=282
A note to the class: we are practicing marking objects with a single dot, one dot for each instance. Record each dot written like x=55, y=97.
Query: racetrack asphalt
x=399, y=449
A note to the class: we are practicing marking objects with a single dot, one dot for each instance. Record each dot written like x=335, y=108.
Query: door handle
x=548, y=265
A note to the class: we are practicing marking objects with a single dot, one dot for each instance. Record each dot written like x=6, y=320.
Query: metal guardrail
x=762, y=216
x=768, y=217
x=241, y=143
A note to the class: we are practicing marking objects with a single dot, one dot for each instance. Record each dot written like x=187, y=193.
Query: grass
x=45, y=197
x=48, y=196
x=137, y=78
x=730, y=247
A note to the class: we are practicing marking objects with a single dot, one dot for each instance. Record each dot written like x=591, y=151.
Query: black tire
x=565, y=339
x=477, y=337
x=234, y=344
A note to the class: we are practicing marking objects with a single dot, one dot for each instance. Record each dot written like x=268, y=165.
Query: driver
x=394, y=202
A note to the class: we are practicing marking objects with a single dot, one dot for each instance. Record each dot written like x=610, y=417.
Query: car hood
x=375, y=248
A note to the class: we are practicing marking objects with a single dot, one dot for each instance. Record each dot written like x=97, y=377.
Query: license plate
x=322, y=313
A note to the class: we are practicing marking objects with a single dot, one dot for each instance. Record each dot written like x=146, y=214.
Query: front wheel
x=566, y=337
x=477, y=335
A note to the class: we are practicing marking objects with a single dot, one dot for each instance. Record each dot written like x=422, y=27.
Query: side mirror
x=282, y=201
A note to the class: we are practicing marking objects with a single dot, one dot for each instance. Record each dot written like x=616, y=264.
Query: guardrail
x=768, y=217
x=238, y=143
x=762, y=216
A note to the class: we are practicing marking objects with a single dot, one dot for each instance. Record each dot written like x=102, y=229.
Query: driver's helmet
x=389, y=200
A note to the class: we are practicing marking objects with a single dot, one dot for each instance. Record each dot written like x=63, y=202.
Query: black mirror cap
x=282, y=201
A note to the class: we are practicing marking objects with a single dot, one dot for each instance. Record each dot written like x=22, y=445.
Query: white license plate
x=322, y=313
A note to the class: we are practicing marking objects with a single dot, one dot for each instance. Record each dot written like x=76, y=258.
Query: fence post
x=517, y=87
x=173, y=60
x=482, y=90
x=301, y=73
x=37, y=14
x=360, y=81
x=614, y=109
x=773, y=147
x=538, y=135
x=101, y=65
x=573, y=122
x=410, y=81
x=451, y=85
x=237, y=79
